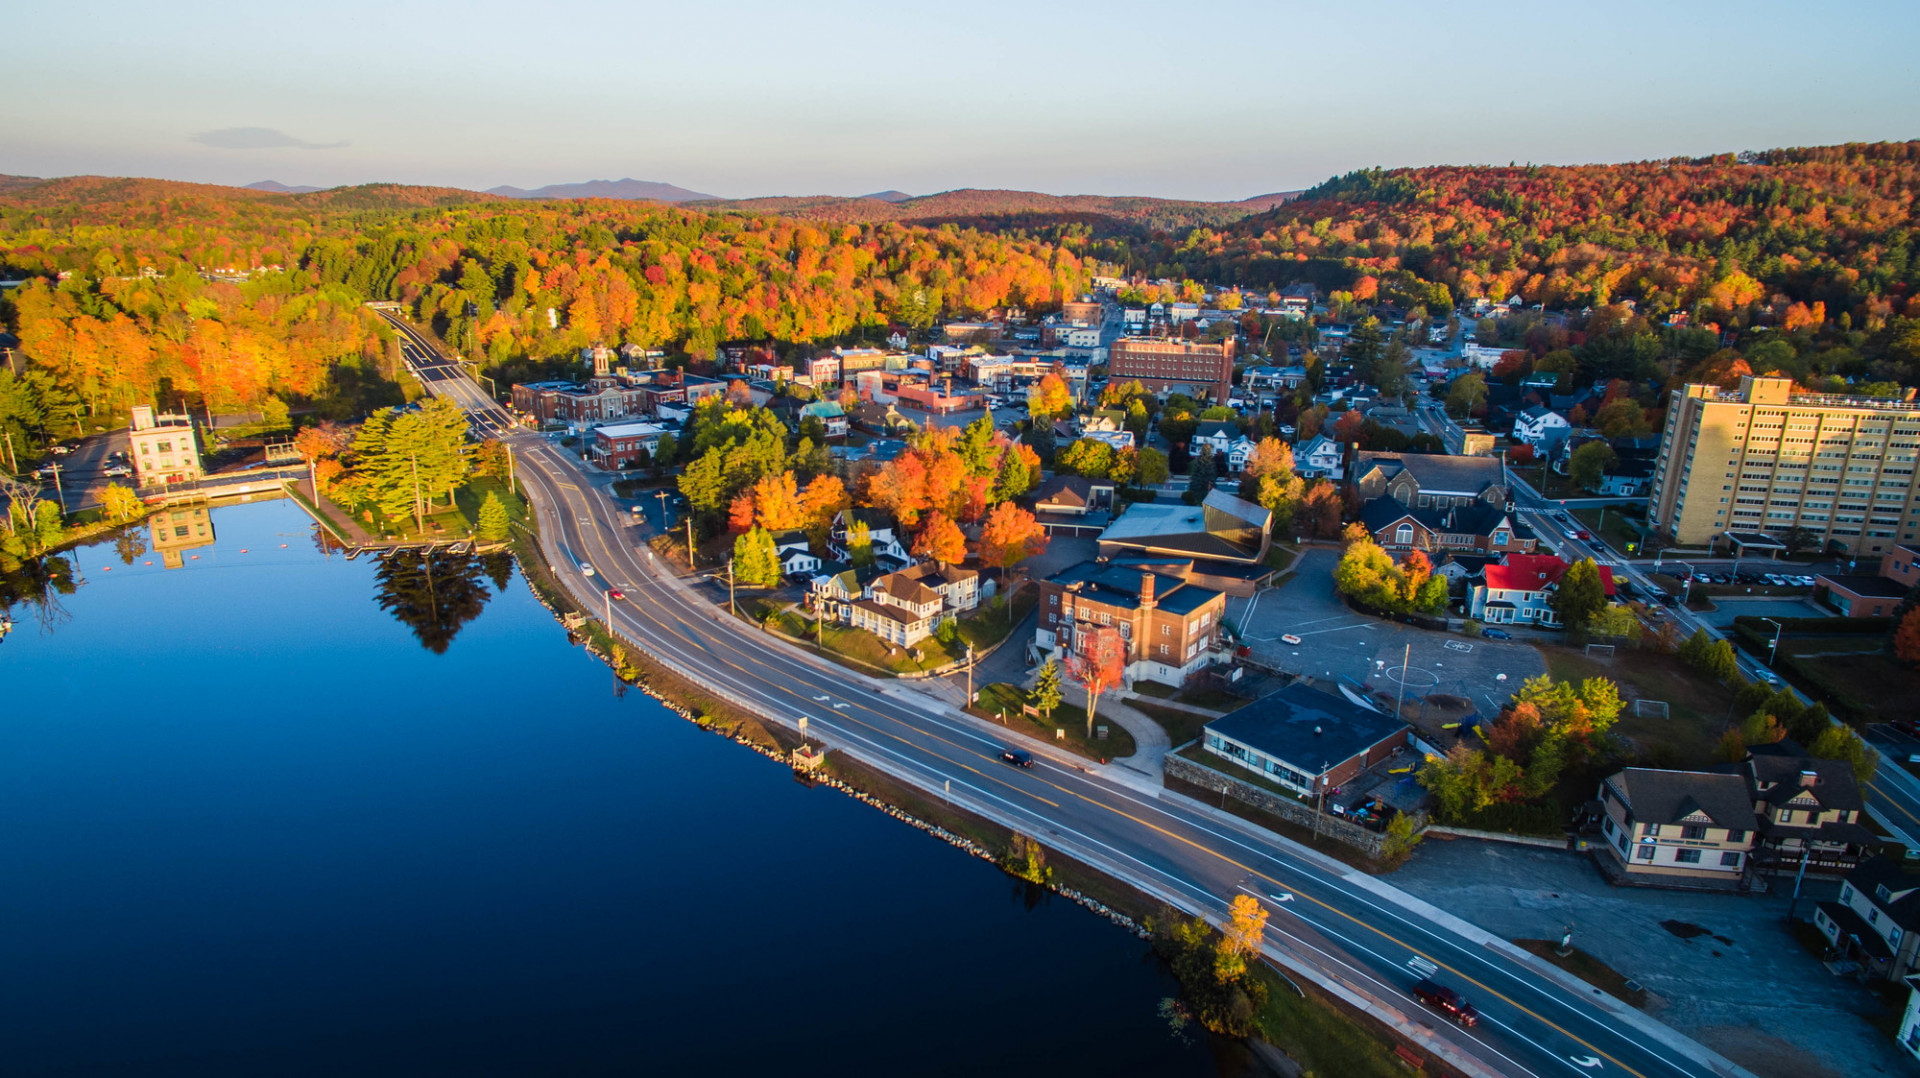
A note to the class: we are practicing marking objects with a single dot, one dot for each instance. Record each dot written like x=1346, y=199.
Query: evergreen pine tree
x=493, y=518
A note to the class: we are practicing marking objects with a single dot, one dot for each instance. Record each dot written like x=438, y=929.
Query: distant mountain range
x=628, y=189
x=279, y=188
x=889, y=196
x=1019, y=209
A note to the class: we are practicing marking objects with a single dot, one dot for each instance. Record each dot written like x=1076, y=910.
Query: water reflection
x=36, y=584
x=178, y=530
x=435, y=594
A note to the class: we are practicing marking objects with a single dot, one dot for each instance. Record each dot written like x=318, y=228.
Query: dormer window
x=1880, y=891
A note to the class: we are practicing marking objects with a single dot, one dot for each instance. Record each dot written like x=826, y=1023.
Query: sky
x=777, y=97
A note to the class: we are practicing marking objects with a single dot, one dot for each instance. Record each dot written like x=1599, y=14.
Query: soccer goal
x=1650, y=709
x=1603, y=652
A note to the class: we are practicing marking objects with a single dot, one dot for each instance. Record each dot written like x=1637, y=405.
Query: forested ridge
x=1736, y=235
x=149, y=290
x=142, y=290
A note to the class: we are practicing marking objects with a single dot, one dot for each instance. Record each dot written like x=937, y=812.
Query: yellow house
x=1686, y=827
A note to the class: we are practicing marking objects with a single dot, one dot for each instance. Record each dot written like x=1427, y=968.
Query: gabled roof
x=1780, y=773
x=1068, y=490
x=1903, y=890
x=1674, y=797
x=1217, y=428
x=1437, y=473
x=1476, y=519
x=1536, y=572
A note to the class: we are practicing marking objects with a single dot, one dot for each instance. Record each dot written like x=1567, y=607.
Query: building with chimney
x=1171, y=628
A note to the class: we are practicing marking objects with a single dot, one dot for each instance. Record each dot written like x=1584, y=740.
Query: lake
x=270, y=812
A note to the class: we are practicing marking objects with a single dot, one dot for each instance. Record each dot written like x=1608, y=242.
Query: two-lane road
x=1350, y=931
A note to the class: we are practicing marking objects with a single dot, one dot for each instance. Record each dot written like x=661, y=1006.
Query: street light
x=1774, y=651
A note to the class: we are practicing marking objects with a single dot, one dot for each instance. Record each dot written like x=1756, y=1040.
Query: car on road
x=1289, y=638
x=616, y=593
x=1446, y=1001
x=61, y=450
x=1496, y=634
x=1017, y=757
x=586, y=568
x=45, y=471
x=116, y=470
x=1582, y=533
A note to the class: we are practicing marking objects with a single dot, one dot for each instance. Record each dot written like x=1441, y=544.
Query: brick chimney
x=1146, y=590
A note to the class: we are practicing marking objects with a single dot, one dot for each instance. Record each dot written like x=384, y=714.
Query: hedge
x=1817, y=626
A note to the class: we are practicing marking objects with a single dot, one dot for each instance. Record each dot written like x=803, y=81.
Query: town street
x=1364, y=939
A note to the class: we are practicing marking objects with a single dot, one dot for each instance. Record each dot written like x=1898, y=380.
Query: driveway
x=1337, y=643
x=1743, y=986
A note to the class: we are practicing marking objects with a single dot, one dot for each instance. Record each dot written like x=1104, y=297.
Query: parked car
x=1496, y=634
x=61, y=450
x=1446, y=1001
x=1289, y=638
x=1775, y=579
x=1017, y=757
x=116, y=470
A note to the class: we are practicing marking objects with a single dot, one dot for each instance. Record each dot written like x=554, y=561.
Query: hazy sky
x=757, y=97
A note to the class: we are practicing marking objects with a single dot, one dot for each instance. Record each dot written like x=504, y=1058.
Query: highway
x=1357, y=936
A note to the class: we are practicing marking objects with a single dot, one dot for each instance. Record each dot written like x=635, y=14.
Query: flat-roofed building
x=1164, y=365
x=1763, y=458
x=178, y=529
x=1306, y=740
x=163, y=448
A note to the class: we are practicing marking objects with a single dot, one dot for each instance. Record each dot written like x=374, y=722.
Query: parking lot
x=1337, y=643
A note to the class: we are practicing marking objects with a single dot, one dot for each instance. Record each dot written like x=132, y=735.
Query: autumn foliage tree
x=941, y=540
x=1010, y=536
x=1098, y=661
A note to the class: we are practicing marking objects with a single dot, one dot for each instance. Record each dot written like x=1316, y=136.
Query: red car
x=616, y=593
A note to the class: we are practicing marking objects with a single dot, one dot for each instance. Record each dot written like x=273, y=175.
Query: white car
x=116, y=470
x=1289, y=638
x=586, y=569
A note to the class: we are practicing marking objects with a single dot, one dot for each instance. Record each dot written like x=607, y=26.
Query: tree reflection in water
x=37, y=583
x=434, y=594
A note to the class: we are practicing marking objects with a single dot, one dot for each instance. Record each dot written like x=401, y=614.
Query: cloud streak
x=258, y=138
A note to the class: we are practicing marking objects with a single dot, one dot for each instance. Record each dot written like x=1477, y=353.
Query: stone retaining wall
x=1288, y=809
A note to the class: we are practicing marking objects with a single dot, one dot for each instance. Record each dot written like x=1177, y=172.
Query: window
x=1403, y=535
x=1736, y=835
x=1645, y=853
x=1166, y=630
x=1686, y=857
x=1693, y=831
x=1730, y=859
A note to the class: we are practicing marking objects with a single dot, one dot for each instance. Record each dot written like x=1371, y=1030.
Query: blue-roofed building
x=1171, y=628
x=1305, y=739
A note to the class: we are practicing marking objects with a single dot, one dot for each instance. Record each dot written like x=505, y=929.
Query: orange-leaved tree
x=941, y=540
x=1009, y=537
x=1906, y=637
x=1098, y=662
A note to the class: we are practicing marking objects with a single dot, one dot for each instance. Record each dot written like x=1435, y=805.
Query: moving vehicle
x=1446, y=1001
x=586, y=568
x=1582, y=533
x=1017, y=757
x=116, y=470
x=616, y=593
x=1496, y=634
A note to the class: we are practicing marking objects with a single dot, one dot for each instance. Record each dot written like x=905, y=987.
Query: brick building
x=1164, y=365
x=1306, y=740
x=1171, y=628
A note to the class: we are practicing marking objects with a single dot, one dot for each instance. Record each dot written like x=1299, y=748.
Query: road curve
x=1359, y=937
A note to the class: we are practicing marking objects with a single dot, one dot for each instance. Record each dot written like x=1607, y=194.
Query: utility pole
x=419, y=517
x=689, y=543
x=969, y=675
x=513, y=485
x=730, y=608
x=13, y=465
x=1320, y=810
x=1774, y=651
x=58, y=491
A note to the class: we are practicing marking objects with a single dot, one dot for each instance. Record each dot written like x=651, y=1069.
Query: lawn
x=1860, y=688
x=1589, y=969
x=1323, y=1038
x=983, y=629
x=1280, y=558
x=1617, y=529
x=1181, y=726
x=1697, y=707
x=1002, y=703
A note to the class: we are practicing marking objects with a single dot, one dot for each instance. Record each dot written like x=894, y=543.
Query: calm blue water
x=249, y=825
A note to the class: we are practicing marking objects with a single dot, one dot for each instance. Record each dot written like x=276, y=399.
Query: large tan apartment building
x=1762, y=458
x=1201, y=369
x=162, y=448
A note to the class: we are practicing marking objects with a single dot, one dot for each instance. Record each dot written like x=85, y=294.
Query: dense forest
x=1735, y=237
x=146, y=290
x=140, y=290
